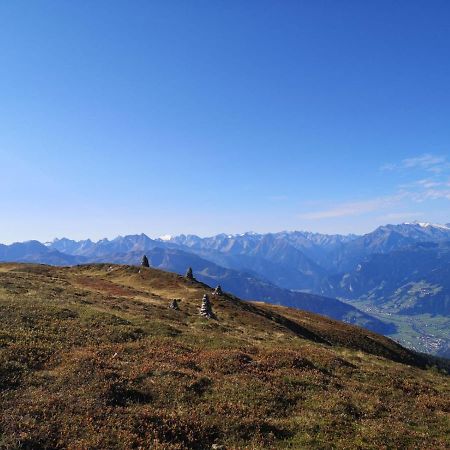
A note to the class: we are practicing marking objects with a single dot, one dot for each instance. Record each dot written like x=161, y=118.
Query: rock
x=189, y=274
x=218, y=290
x=144, y=262
x=174, y=304
x=206, y=308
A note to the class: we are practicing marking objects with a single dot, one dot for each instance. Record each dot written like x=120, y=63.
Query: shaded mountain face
x=271, y=258
x=34, y=251
x=316, y=246
x=300, y=260
x=384, y=239
x=412, y=280
x=89, y=249
x=71, y=247
x=288, y=259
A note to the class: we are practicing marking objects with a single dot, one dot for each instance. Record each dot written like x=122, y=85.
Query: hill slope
x=247, y=286
x=92, y=357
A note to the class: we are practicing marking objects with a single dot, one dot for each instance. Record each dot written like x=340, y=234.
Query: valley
x=423, y=332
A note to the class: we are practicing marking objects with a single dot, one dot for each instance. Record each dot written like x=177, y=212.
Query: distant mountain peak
x=429, y=225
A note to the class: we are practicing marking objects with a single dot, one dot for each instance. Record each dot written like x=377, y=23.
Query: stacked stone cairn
x=206, y=308
x=144, y=262
x=189, y=274
x=218, y=291
x=174, y=304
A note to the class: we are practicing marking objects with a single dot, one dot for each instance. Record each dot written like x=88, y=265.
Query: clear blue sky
x=121, y=117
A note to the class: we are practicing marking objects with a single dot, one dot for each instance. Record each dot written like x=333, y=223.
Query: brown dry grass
x=92, y=357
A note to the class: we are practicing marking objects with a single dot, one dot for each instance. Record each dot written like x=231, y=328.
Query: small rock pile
x=174, y=304
x=206, y=308
x=189, y=274
x=218, y=291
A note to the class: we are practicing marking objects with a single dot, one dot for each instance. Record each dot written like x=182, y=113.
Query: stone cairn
x=217, y=292
x=144, y=262
x=206, y=308
x=174, y=304
x=190, y=274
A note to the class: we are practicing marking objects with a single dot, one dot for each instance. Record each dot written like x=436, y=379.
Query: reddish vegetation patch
x=101, y=285
x=162, y=394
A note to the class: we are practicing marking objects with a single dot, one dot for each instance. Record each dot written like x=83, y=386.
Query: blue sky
x=170, y=117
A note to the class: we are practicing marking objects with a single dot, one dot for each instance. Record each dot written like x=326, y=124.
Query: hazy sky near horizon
x=170, y=117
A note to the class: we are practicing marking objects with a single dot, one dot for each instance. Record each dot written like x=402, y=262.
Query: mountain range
x=393, y=280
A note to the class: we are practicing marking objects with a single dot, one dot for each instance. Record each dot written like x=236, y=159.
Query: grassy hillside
x=92, y=357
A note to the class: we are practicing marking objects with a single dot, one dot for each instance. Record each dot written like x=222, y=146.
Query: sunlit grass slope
x=92, y=357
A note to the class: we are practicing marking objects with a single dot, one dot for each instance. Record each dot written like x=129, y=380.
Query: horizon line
x=169, y=237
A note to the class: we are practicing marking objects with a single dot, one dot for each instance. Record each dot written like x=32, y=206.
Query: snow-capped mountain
x=103, y=247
